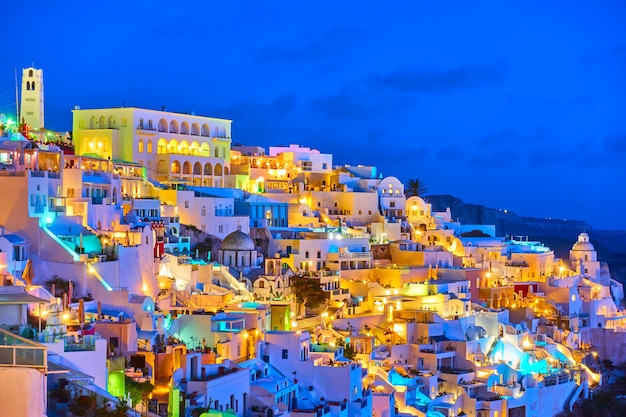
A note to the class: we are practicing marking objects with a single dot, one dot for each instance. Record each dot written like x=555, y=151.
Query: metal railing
x=21, y=352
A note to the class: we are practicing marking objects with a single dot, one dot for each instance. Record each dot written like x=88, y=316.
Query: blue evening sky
x=511, y=104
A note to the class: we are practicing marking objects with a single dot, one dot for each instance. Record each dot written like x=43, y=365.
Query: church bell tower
x=31, y=105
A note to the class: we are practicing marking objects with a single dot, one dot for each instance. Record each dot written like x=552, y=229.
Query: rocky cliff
x=558, y=234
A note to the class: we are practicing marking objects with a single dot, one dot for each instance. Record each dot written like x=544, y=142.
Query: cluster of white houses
x=420, y=320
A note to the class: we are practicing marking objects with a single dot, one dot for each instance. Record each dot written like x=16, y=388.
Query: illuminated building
x=174, y=147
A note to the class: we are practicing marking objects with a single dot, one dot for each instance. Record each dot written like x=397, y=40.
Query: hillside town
x=150, y=265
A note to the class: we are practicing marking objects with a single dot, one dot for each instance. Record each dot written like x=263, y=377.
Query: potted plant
x=83, y=405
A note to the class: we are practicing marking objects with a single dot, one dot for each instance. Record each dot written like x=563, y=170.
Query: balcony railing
x=83, y=344
x=18, y=351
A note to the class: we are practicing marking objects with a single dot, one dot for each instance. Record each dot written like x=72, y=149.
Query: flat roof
x=21, y=298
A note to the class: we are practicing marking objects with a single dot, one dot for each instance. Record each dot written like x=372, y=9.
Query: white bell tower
x=31, y=105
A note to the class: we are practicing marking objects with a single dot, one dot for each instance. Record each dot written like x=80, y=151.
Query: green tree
x=415, y=187
x=139, y=391
x=308, y=292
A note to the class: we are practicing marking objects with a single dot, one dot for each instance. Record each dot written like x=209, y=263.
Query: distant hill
x=557, y=234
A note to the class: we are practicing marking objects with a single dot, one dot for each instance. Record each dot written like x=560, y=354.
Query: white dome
x=583, y=243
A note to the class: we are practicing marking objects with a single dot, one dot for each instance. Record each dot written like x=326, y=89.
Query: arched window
x=161, y=146
x=172, y=147
x=226, y=170
x=150, y=124
x=218, y=170
x=195, y=129
x=173, y=126
x=183, y=148
x=149, y=146
x=27, y=85
x=162, y=167
x=93, y=122
x=206, y=130
x=162, y=125
x=140, y=146
x=111, y=122
x=140, y=123
x=208, y=169
x=102, y=122
x=184, y=128
x=217, y=152
x=186, y=168
x=30, y=73
x=193, y=149
x=175, y=167
x=205, y=150
x=197, y=168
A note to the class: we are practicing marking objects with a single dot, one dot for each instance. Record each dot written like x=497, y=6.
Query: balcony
x=83, y=344
x=57, y=204
x=20, y=352
x=101, y=200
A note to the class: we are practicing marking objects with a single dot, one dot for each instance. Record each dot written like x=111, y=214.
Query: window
x=319, y=254
x=306, y=254
x=285, y=354
x=324, y=165
x=220, y=228
x=203, y=211
x=392, y=204
x=186, y=204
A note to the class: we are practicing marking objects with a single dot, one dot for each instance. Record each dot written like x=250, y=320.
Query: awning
x=54, y=368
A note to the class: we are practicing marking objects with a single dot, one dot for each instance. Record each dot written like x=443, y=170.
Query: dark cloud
x=506, y=137
x=265, y=123
x=436, y=82
x=494, y=158
x=331, y=42
x=618, y=52
x=355, y=101
x=615, y=145
x=450, y=153
x=546, y=156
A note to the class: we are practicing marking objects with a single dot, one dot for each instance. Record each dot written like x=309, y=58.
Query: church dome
x=238, y=240
x=583, y=243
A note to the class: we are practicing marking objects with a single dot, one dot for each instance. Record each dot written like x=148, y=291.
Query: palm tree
x=415, y=187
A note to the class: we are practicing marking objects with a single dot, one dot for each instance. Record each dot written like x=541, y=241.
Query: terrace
x=19, y=351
